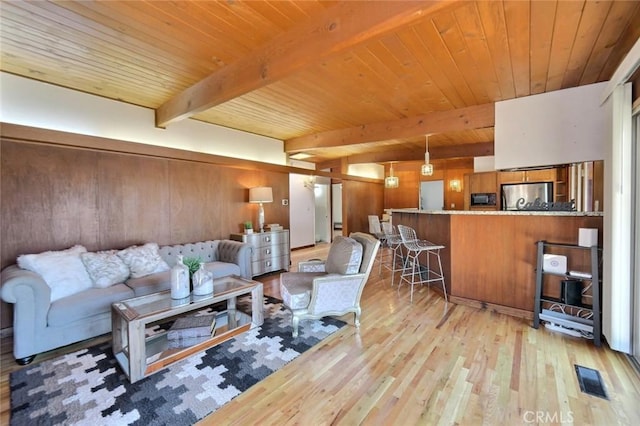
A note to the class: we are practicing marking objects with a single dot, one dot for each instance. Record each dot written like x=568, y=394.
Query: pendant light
x=427, y=168
x=391, y=181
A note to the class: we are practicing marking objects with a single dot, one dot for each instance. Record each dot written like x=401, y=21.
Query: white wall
x=484, y=164
x=32, y=103
x=367, y=170
x=565, y=126
x=302, y=164
x=302, y=206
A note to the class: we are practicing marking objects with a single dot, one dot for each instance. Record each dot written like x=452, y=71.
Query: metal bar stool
x=394, y=260
x=375, y=229
x=413, y=273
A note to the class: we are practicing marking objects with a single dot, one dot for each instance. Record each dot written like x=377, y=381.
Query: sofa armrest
x=236, y=252
x=18, y=283
x=31, y=297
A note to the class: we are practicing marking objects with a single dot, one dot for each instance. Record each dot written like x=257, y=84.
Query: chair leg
x=356, y=317
x=407, y=271
x=26, y=360
x=438, y=275
x=396, y=256
x=444, y=287
x=415, y=269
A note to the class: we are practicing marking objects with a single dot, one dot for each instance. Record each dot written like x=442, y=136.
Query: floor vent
x=591, y=382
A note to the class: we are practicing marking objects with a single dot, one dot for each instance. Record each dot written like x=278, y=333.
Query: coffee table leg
x=231, y=313
x=137, y=351
x=118, y=337
x=257, y=306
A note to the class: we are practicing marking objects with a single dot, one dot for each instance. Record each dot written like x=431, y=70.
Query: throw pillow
x=63, y=271
x=105, y=268
x=344, y=256
x=143, y=260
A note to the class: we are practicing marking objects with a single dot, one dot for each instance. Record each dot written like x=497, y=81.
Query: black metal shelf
x=567, y=275
x=595, y=307
x=561, y=302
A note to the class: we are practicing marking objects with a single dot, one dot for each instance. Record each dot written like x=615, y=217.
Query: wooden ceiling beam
x=435, y=153
x=482, y=149
x=339, y=28
x=330, y=164
x=474, y=117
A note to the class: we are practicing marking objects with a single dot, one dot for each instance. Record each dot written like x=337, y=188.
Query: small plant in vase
x=193, y=263
x=248, y=227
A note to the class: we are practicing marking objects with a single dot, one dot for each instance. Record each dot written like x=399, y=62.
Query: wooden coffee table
x=140, y=356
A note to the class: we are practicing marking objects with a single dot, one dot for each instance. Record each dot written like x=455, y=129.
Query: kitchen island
x=490, y=256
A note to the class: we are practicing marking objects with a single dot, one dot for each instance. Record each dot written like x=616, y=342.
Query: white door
x=323, y=205
x=432, y=195
x=301, y=212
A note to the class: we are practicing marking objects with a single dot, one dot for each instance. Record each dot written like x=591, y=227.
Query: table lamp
x=259, y=195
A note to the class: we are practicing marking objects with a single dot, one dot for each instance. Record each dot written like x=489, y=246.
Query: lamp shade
x=260, y=194
x=426, y=169
x=391, y=182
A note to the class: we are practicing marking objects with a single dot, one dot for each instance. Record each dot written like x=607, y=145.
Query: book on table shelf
x=186, y=342
x=192, y=326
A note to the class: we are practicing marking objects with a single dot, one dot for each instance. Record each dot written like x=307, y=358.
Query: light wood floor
x=424, y=363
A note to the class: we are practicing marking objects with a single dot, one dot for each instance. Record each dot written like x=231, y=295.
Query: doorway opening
x=432, y=195
x=322, y=195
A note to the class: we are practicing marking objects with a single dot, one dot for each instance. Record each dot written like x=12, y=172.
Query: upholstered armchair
x=332, y=287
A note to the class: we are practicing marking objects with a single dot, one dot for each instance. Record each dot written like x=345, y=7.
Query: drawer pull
x=268, y=251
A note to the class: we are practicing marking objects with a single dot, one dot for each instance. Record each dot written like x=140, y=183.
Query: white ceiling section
x=36, y=104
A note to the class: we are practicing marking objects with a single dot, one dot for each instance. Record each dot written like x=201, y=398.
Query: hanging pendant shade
x=391, y=181
x=427, y=167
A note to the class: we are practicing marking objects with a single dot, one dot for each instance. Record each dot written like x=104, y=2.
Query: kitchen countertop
x=498, y=212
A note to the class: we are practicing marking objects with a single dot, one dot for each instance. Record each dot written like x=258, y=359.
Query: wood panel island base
x=490, y=257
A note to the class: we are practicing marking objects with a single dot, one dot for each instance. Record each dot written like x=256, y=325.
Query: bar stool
x=375, y=229
x=412, y=273
x=394, y=260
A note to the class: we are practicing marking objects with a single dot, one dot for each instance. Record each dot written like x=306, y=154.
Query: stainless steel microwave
x=483, y=199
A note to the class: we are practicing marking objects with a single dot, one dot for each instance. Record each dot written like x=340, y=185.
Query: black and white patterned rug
x=88, y=387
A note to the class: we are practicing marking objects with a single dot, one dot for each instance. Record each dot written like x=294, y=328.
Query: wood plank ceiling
x=355, y=79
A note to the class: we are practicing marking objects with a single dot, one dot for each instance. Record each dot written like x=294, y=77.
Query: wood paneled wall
x=494, y=257
x=54, y=197
x=407, y=195
x=359, y=200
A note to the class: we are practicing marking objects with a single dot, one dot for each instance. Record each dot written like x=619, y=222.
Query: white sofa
x=40, y=324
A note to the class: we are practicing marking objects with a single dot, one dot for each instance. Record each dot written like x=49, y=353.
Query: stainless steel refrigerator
x=518, y=194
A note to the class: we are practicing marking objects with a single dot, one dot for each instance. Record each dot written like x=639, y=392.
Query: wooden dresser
x=270, y=250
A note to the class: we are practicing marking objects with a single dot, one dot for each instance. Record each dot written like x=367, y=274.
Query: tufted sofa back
x=212, y=251
x=207, y=251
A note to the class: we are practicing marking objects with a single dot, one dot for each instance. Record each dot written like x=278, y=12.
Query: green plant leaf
x=193, y=263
